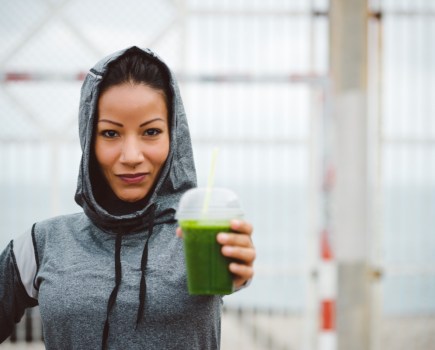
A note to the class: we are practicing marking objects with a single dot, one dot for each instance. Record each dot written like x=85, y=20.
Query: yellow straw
x=210, y=180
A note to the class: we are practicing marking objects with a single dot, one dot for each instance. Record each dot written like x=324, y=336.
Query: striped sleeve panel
x=18, y=269
x=26, y=260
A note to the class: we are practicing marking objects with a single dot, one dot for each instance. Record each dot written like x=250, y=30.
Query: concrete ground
x=22, y=346
x=262, y=331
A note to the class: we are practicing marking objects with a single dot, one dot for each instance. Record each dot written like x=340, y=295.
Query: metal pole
x=350, y=235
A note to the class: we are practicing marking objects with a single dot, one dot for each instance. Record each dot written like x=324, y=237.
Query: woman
x=114, y=275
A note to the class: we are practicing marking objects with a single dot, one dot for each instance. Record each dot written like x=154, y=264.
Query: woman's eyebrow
x=150, y=121
x=121, y=125
x=110, y=121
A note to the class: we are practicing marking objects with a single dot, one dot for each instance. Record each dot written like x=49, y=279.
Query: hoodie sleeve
x=17, y=292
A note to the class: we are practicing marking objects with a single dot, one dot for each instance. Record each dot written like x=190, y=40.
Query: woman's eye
x=152, y=132
x=109, y=133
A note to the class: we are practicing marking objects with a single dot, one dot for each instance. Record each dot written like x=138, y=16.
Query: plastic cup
x=207, y=269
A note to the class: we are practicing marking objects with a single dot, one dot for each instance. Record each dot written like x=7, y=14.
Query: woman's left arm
x=238, y=245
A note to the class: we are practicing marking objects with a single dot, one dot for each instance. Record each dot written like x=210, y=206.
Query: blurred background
x=323, y=112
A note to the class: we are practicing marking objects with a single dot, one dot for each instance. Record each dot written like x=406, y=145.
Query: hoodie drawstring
x=114, y=293
x=118, y=277
x=143, y=265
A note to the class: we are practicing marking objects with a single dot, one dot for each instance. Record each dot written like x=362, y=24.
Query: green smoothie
x=207, y=268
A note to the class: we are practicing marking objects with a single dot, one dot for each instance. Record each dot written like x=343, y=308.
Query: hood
x=177, y=175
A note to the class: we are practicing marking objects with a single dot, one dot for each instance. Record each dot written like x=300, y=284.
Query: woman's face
x=132, y=138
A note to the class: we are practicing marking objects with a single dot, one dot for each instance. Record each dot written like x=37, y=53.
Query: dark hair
x=137, y=67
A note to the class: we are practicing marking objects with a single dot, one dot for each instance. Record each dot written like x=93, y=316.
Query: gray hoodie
x=112, y=281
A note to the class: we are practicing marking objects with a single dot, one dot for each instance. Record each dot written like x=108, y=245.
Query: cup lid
x=223, y=204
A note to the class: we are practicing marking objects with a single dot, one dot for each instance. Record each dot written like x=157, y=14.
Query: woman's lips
x=132, y=178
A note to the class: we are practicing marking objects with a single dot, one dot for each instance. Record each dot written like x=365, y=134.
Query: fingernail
x=222, y=237
x=236, y=223
x=227, y=250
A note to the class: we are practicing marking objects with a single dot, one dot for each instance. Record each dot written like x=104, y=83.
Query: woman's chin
x=130, y=198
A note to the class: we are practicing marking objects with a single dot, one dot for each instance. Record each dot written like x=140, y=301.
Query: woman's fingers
x=242, y=272
x=241, y=254
x=179, y=232
x=239, y=247
x=234, y=239
x=241, y=227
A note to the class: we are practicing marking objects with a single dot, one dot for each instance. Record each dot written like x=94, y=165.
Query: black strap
x=118, y=277
x=143, y=264
x=114, y=293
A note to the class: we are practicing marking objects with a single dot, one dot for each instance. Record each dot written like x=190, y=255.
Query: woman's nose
x=131, y=153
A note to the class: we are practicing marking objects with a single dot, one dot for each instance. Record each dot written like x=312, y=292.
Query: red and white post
x=327, y=266
x=327, y=295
